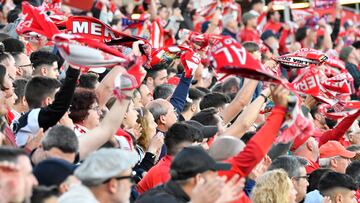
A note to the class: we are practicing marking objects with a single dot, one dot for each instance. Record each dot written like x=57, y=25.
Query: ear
x=63, y=188
x=23, y=101
x=338, y=198
x=149, y=81
x=19, y=72
x=162, y=119
x=112, y=186
x=350, y=136
x=333, y=163
x=43, y=71
x=193, y=108
x=309, y=146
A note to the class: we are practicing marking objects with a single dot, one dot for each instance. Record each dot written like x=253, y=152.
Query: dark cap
x=267, y=34
x=192, y=161
x=206, y=131
x=53, y=171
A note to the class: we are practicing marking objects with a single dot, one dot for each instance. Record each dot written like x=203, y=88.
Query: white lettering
x=80, y=27
x=96, y=29
x=107, y=32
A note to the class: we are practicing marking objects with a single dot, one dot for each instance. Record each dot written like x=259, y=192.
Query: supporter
x=313, y=193
x=89, y=81
x=216, y=100
x=23, y=65
x=163, y=91
x=353, y=135
x=8, y=61
x=56, y=173
x=338, y=186
x=43, y=194
x=165, y=115
x=274, y=186
x=295, y=168
x=105, y=176
x=334, y=156
x=249, y=32
x=146, y=95
x=192, y=105
x=20, y=106
x=183, y=179
x=155, y=77
x=351, y=58
x=231, y=85
x=45, y=64
x=270, y=40
x=16, y=177
x=84, y=111
x=273, y=22
x=229, y=21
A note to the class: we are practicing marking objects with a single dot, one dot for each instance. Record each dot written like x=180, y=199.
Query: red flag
x=302, y=58
x=229, y=57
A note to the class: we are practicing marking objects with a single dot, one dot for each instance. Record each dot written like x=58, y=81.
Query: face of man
x=348, y=196
x=10, y=67
x=276, y=16
x=341, y=164
x=355, y=137
x=252, y=23
x=300, y=184
x=161, y=78
x=123, y=191
x=52, y=70
x=170, y=116
x=146, y=95
x=25, y=65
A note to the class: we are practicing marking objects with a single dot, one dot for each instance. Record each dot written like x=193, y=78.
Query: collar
x=175, y=190
x=79, y=129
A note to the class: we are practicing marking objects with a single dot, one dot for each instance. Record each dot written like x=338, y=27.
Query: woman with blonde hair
x=274, y=187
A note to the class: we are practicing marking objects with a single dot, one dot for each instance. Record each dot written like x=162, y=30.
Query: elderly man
x=106, y=176
x=335, y=157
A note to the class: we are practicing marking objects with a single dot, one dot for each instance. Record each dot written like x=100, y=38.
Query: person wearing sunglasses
x=106, y=176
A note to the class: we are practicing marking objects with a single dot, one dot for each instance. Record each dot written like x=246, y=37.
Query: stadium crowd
x=145, y=102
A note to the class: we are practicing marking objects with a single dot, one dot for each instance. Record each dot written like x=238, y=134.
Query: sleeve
x=339, y=130
x=50, y=115
x=249, y=185
x=336, y=30
x=144, y=166
x=259, y=145
x=282, y=41
x=178, y=98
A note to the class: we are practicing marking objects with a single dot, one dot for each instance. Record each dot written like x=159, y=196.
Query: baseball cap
x=248, y=16
x=53, y=171
x=334, y=148
x=206, y=131
x=267, y=34
x=103, y=164
x=194, y=160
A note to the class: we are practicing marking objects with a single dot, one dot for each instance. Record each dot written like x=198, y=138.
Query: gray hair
x=61, y=137
x=157, y=108
x=291, y=164
x=325, y=162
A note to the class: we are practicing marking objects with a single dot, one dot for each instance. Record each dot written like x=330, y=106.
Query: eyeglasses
x=26, y=65
x=131, y=177
x=299, y=177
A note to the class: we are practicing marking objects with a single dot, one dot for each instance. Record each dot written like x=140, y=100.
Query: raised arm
x=242, y=99
x=104, y=90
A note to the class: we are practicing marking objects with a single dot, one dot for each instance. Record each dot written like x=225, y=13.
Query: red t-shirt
x=158, y=174
x=273, y=26
x=249, y=35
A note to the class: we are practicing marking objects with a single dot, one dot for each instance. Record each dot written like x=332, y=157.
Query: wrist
x=265, y=97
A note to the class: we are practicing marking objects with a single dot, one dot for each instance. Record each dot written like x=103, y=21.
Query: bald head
x=225, y=147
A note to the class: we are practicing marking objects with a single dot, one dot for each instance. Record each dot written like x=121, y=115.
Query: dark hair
x=333, y=180
x=300, y=34
x=10, y=154
x=13, y=15
x=2, y=77
x=177, y=134
x=42, y=193
x=163, y=91
x=194, y=95
x=290, y=164
x=153, y=72
x=217, y=88
x=229, y=83
x=61, y=137
x=203, y=89
x=81, y=104
x=38, y=88
x=3, y=55
x=353, y=170
x=314, y=178
x=39, y=58
x=251, y=46
x=213, y=100
x=13, y=45
x=19, y=89
x=88, y=80
x=206, y=117
x=353, y=148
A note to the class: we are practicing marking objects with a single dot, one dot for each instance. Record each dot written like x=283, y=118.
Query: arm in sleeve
x=336, y=30
x=339, y=130
x=178, y=98
x=51, y=114
x=259, y=145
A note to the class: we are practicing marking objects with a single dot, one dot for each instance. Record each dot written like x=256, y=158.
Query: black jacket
x=170, y=192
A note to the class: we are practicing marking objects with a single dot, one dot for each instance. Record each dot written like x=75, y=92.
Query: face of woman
x=93, y=119
x=131, y=117
x=2, y=103
x=151, y=124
